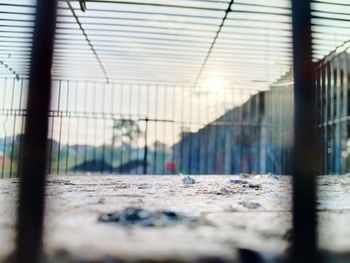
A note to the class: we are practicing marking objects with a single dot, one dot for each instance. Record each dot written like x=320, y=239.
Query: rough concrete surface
x=252, y=212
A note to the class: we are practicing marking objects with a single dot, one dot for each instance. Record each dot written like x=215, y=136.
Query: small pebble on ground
x=188, y=180
x=237, y=181
x=245, y=184
x=250, y=205
x=146, y=218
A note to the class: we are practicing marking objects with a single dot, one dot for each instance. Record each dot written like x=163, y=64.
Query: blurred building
x=253, y=137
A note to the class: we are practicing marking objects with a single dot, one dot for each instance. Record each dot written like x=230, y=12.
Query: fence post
x=30, y=214
x=306, y=159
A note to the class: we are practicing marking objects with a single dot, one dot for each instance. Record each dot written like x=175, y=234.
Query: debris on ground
x=238, y=181
x=188, y=180
x=255, y=186
x=226, y=191
x=146, y=218
x=245, y=184
x=250, y=205
x=58, y=182
x=244, y=175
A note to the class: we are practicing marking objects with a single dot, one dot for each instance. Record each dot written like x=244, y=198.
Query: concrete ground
x=253, y=213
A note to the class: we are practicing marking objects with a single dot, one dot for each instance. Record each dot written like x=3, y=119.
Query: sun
x=215, y=85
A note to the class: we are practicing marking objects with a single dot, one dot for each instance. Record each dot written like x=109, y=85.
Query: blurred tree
x=125, y=129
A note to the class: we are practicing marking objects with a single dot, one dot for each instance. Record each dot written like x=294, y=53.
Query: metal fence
x=310, y=21
x=125, y=128
x=333, y=78
x=12, y=114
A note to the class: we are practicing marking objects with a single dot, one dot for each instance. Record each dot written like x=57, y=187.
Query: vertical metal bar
x=333, y=116
x=14, y=127
x=248, y=133
x=256, y=128
x=155, y=150
x=60, y=115
x=165, y=104
x=68, y=111
x=280, y=129
x=77, y=148
x=329, y=118
x=20, y=143
x=233, y=128
x=216, y=136
x=346, y=101
x=130, y=142
x=223, y=133
x=343, y=103
x=145, y=155
x=199, y=121
x=324, y=118
x=121, y=157
x=336, y=100
x=283, y=142
x=139, y=117
x=191, y=135
x=306, y=150
x=33, y=169
x=274, y=135
x=95, y=126
x=4, y=144
x=241, y=131
x=86, y=128
x=113, y=118
x=104, y=128
x=174, y=118
x=183, y=137
x=207, y=146
x=51, y=149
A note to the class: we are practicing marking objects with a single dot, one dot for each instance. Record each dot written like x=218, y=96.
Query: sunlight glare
x=215, y=85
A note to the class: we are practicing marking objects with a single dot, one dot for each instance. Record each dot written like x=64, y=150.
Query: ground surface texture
x=231, y=212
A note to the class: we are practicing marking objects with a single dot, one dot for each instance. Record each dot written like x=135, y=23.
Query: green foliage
x=125, y=129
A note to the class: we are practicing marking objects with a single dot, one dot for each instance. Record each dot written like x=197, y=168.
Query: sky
x=152, y=56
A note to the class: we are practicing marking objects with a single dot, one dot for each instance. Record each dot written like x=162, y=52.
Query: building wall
x=332, y=89
x=254, y=137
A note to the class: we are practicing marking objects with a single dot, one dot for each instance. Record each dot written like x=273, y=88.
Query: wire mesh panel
x=331, y=53
x=176, y=75
x=156, y=129
x=13, y=94
x=332, y=88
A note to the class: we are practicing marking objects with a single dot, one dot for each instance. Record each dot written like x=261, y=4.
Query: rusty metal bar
x=306, y=143
x=33, y=159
